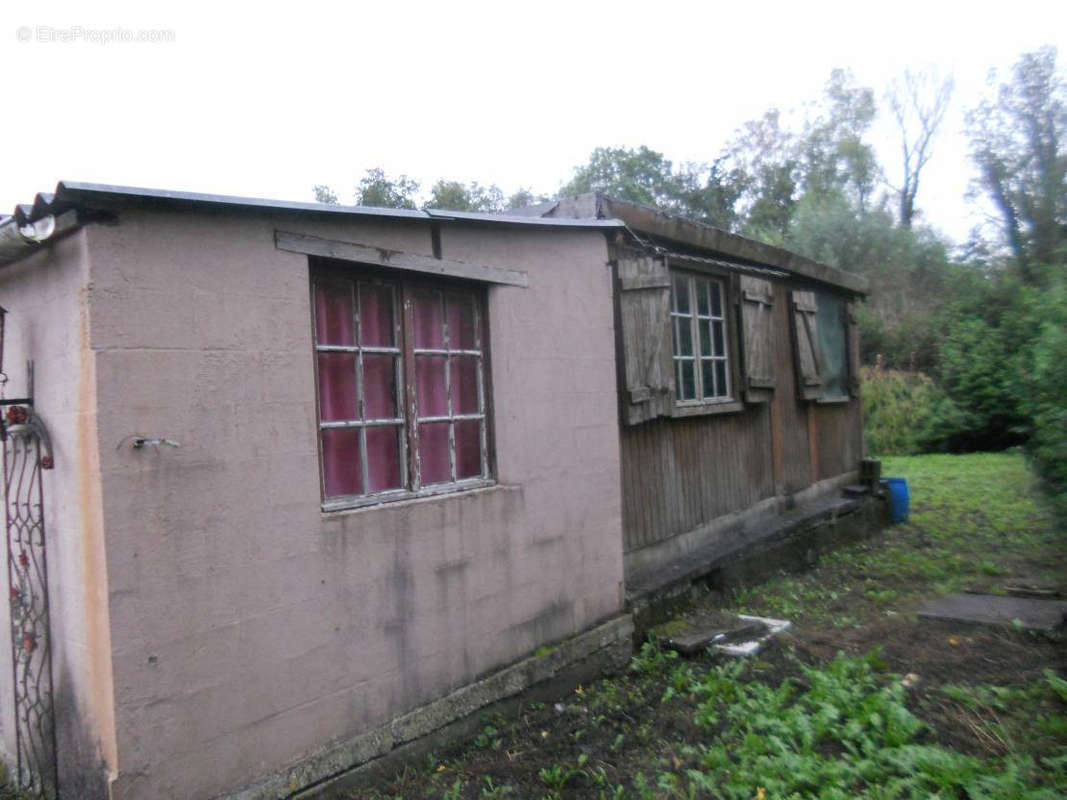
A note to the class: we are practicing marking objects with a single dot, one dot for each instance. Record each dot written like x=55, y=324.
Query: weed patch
x=860, y=700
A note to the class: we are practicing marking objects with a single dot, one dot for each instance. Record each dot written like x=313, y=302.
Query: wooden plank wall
x=791, y=413
x=679, y=474
x=839, y=438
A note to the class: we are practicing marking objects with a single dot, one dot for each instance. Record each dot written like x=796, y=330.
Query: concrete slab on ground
x=990, y=609
x=729, y=634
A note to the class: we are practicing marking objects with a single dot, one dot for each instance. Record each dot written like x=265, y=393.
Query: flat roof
x=69, y=194
x=591, y=211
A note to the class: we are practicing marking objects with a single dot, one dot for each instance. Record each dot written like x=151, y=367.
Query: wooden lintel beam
x=397, y=259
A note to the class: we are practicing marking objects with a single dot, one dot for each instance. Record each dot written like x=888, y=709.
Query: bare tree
x=919, y=102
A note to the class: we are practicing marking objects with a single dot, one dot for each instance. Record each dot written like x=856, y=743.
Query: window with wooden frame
x=401, y=379
x=701, y=345
x=826, y=346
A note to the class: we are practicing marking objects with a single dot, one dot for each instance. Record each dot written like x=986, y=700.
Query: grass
x=977, y=520
x=861, y=700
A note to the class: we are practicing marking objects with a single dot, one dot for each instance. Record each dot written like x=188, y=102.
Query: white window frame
x=691, y=319
x=409, y=418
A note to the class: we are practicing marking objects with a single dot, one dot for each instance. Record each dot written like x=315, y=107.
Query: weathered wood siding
x=679, y=474
x=791, y=414
x=839, y=438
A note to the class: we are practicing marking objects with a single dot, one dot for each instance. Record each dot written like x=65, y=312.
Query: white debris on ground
x=750, y=647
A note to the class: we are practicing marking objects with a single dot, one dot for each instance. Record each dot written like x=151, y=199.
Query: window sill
x=331, y=507
x=833, y=401
x=704, y=409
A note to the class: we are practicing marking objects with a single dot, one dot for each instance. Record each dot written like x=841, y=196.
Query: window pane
x=681, y=295
x=707, y=376
x=433, y=452
x=716, y=299
x=468, y=449
x=720, y=341
x=429, y=329
x=705, y=337
x=460, y=312
x=379, y=386
x=375, y=315
x=464, y=384
x=337, y=386
x=341, y=462
x=833, y=344
x=722, y=389
x=333, y=314
x=383, y=459
x=703, y=307
x=430, y=386
x=685, y=337
x=687, y=380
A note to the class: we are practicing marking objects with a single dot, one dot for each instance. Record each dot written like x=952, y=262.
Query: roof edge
x=73, y=192
x=653, y=222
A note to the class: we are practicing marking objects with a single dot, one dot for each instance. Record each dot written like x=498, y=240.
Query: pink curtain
x=375, y=315
x=341, y=462
x=333, y=314
x=430, y=386
x=337, y=386
x=433, y=450
x=459, y=311
x=429, y=330
x=463, y=383
x=468, y=449
x=383, y=458
x=379, y=386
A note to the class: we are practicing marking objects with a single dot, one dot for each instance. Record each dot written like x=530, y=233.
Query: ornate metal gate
x=27, y=452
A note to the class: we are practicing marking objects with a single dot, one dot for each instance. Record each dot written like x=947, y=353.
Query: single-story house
x=290, y=486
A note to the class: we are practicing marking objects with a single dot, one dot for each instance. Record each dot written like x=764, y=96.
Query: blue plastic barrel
x=899, y=499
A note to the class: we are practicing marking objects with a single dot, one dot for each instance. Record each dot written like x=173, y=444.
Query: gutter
x=19, y=240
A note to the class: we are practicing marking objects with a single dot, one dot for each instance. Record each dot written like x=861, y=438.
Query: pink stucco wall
x=247, y=627
x=48, y=321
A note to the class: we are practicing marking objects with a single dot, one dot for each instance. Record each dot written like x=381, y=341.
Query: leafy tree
x=378, y=189
x=1019, y=144
x=710, y=194
x=525, y=197
x=640, y=176
x=908, y=268
x=324, y=194
x=833, y=155
x=763, y=156
x=456, y=196
x=706, y=193
x=1043, y=366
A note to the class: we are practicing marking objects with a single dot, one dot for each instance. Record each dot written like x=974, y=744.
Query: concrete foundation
x=338, y=769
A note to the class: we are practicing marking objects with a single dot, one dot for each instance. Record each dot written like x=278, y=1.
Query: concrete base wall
x=338, y=770
x=789, y=541
x=726, y=533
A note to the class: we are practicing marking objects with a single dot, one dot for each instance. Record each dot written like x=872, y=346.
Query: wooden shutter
x=852, y=328
x=757, y=329
x=647, y=358
x=806, y=345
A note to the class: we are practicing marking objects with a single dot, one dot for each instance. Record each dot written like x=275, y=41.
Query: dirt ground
x=993, y=699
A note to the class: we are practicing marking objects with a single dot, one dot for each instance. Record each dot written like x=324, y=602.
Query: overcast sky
x=270, y=99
